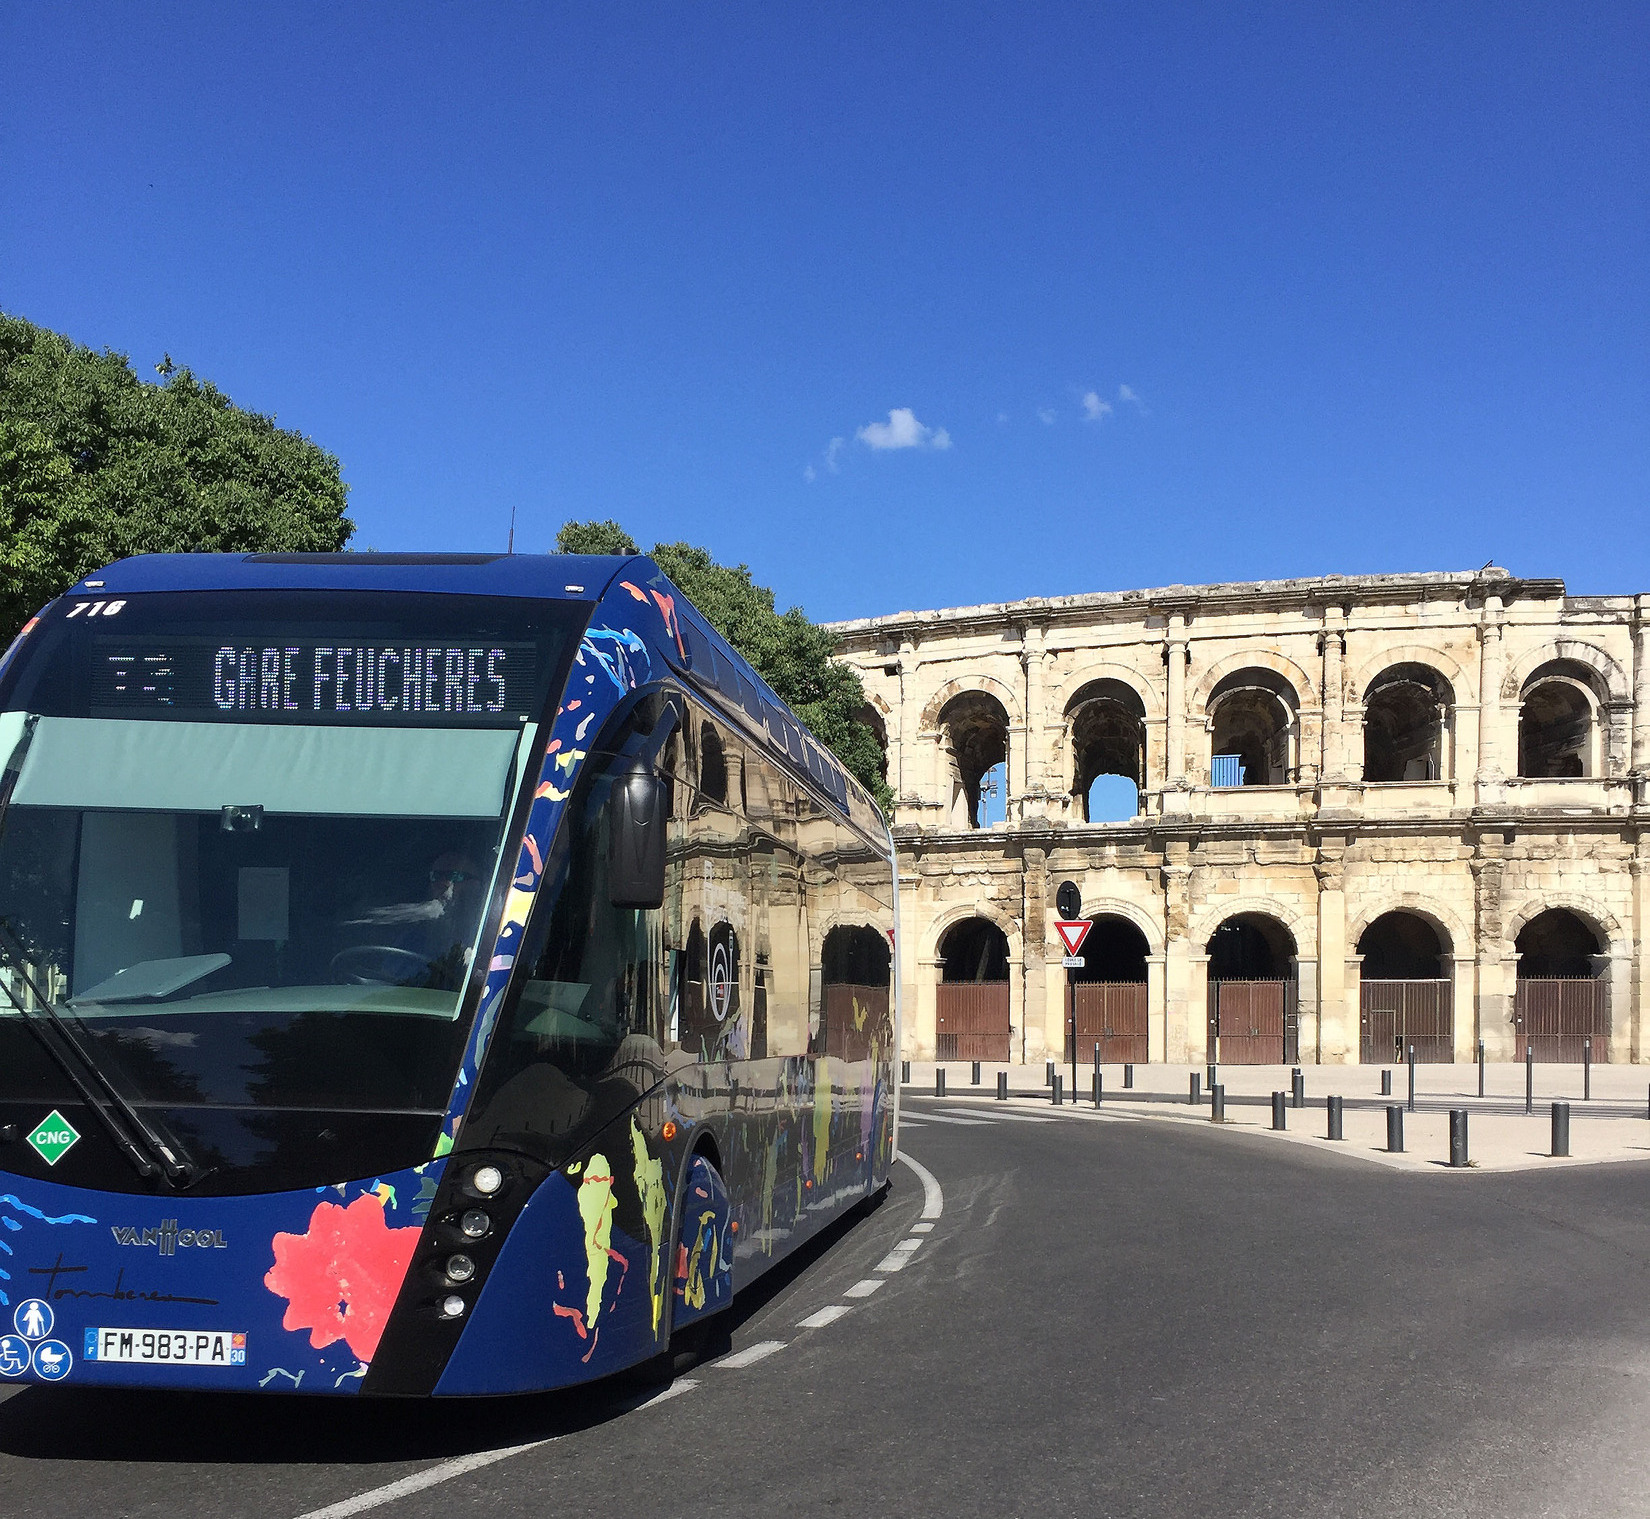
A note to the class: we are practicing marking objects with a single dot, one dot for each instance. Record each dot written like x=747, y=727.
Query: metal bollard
x=1048, y=1074
x=1386, y=1083
x=905, y=1073
x=1561, y=1128
x=1059, y=1089
x=939, y=1081
x=1128, y=1076
x=1097, y=1086
x=1297, y=1088
x=1337, y=1128
x=1280, y=1109
x=1458, y=1137
x=1097, y=1057
x=1210, y=1076
x=1394, y=1129
x=1586, y=1069
x=976, y=1079
x=1480, y=1067
x=1197, y=1094
x=1412, y=1078
x=1002, y=1086
x=1529, y=1075
x=1217, y=1104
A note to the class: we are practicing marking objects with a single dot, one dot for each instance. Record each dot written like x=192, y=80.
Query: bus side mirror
x=638, y=821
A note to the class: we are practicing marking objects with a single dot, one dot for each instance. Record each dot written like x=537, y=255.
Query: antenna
x=510, y=547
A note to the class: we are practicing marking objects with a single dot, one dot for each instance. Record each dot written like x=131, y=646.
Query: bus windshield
x=246, y=854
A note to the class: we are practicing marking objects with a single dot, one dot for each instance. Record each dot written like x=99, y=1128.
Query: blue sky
x=905, y=306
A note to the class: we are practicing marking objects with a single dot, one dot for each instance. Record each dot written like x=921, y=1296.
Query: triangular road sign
x=1073, y=934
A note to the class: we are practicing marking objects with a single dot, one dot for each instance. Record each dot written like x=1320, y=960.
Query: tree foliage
x=796, y=657
x=96, y=464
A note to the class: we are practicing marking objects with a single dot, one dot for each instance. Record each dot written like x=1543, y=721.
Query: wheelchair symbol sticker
x=14, y=1355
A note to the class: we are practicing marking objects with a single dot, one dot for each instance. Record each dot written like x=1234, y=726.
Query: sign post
x=1072, y=932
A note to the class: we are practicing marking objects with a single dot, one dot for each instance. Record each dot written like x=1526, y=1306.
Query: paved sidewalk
x=1613, y=1126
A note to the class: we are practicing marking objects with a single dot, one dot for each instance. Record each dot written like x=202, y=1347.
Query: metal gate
x=1253, y=1022
x=1397, y=1014
x=1111, y=1014
x=1555, y=1016
x=973, y=1020
x=856, y=1020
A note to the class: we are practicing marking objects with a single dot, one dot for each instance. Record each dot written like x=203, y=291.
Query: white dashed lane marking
x=941, y=1118
x=750, y=1355
x=864, y=1288
x=899, y=1257
x=823, y=1317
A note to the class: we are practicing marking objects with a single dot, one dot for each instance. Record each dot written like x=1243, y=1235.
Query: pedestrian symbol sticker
x=33, y=1319
x=14, y=1356
x=55, y=1137
x=52, y=1360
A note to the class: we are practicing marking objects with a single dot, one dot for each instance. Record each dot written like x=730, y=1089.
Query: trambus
x=422, y=975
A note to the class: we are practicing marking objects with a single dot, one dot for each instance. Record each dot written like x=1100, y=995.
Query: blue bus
x=422, y=975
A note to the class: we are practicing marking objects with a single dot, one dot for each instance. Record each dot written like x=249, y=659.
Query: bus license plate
x=167, y=1347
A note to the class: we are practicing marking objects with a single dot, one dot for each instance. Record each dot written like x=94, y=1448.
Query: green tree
x=96, y=464
x=796, y=657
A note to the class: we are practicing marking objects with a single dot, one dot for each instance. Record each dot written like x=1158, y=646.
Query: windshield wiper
x=99, y=1094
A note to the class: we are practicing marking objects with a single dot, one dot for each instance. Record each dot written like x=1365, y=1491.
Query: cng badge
x=55, y=1137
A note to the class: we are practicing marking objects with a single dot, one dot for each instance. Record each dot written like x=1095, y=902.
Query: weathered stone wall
x=1475, y=850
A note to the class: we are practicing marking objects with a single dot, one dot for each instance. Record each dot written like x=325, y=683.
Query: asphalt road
x=1107, y=1318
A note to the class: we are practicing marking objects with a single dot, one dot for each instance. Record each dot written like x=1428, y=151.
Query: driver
x=437, y=929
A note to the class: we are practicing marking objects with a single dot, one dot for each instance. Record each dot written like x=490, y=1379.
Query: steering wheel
x=355, y=964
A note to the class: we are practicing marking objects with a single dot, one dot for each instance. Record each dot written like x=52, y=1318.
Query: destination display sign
x=308, y=681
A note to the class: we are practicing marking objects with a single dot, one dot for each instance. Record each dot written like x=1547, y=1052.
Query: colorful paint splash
x=340, y=1277
x=650, y=1186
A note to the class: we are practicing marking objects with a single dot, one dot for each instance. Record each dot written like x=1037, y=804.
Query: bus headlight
x=452, y=1307
x=486, y=1180
x=474, y=1224
x=460, y=1268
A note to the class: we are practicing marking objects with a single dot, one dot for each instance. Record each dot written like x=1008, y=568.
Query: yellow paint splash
x=596, y=1207
x=822, y=1119
x=698, y=1268
x=650, y=1187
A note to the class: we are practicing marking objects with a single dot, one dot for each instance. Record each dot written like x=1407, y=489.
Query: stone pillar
x=1175, y=783
x=1182, y=1022
x=1462, y=968
x=1334, y=717
x=1492, y=758
x=1157, y=1016
x=1032, y=780
x=1197, y=1008
x=1354, y=989
x=1337, y=1034
x=1034, y=932
x=903, y=779
x=1640, y=765
x=1307, y=994
x=1636, y=1011
x=1494, y=993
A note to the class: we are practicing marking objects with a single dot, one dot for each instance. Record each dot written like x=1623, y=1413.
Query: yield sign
x=1073, y=934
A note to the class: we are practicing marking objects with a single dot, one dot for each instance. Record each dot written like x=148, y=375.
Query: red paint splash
x=340, y=1277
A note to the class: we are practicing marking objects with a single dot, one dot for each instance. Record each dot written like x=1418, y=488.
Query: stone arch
x=1409, y=654
x=1597, y=917
x=1120, y=907
x=1151, y=699
x=1301, y=924
x=1408, y=719
x=1442, y=918
x=1610, y=682
x=1306, y=690
x=965, y=685
x=944, y=920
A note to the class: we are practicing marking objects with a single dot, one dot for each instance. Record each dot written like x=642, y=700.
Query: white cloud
x=1002, y=417
x=902, y=430
x=833, y=454
x=809, y=473
x=1094, y=408
x=1045, y=415
x=1126, y=393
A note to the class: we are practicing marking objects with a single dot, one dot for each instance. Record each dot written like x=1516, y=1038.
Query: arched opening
x=1252, y=1003
x=855, y=963
x=1106, y=997
x=1558, y=735
x=972, y=995
x=1253, y=729
x=1407, y=712
x=1562, y=1000
x=1406, y=997
x=974, y=739
x=713, y=766
x=1108, y=746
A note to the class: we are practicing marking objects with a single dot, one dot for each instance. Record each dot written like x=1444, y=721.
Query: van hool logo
x=168, y=1237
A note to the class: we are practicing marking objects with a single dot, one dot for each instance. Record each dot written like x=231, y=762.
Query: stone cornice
x=1190, y=600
